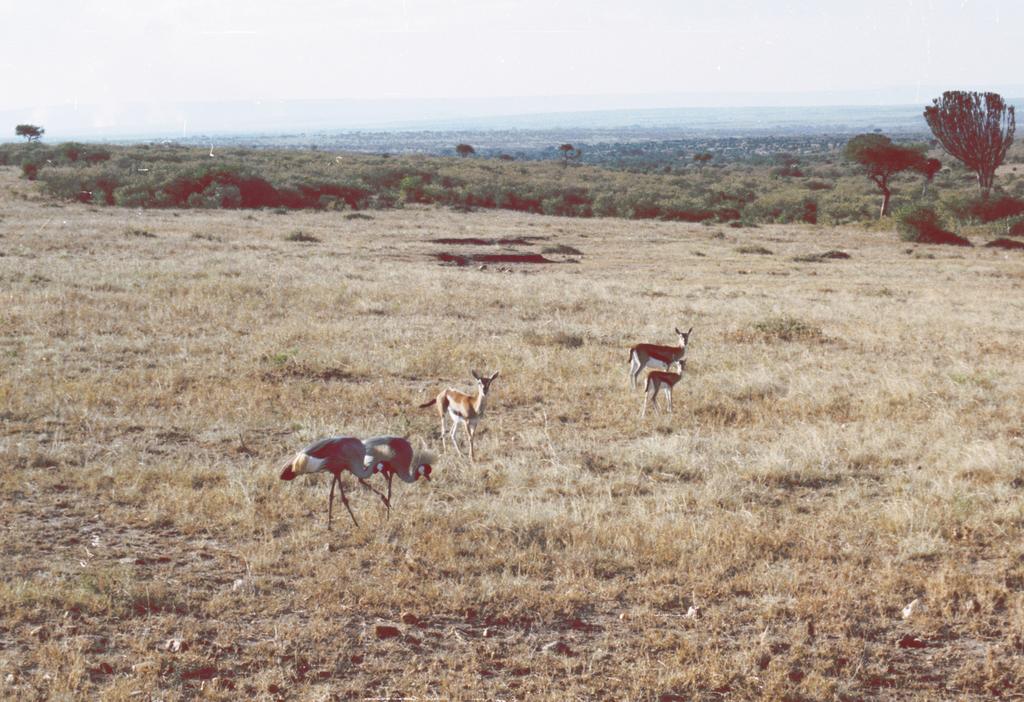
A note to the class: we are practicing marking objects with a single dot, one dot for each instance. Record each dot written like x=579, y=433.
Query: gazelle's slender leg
x=668, y=391
x=455, y=441
x=634, y=371
x=643, y=408
x=442, y=431
x=471, y=430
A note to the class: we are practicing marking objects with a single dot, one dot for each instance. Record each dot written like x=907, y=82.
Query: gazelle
x=462, y=408
x=658, y=381
x=393, y=455
x=333, y=455
x=658, y=357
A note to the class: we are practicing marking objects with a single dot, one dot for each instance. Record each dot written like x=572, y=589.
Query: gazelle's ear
x=495, y=375
x=689, y=330
x=474, y=374
x=677, y=330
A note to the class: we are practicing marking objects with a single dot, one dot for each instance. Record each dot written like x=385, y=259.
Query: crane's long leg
x=385, y=500
x=330, y=501
x=344, y=501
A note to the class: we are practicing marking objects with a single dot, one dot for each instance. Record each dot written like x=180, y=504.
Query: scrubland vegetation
x=847, y=440
x=747, y=181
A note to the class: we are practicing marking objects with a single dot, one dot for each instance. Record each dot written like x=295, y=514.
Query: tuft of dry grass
x=302, y=237
x=846, y=440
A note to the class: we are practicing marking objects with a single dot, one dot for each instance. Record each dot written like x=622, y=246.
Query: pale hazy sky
x=59, y=52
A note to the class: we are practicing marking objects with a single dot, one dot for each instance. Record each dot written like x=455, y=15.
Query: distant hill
x=709, y=120
x=168, y=120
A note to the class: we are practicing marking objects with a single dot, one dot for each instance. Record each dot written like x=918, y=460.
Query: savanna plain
x=848, y=438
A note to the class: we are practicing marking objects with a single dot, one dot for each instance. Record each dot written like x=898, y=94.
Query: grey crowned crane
x=333, y=455
x=393, y=455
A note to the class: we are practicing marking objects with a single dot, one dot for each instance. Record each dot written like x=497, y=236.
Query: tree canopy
x=974, y=128
x=882, y=159
x=569, y=153
x=30, y=131
x=464, y=150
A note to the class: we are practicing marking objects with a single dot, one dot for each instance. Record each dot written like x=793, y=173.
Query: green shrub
x=133, y=196
x=783, y=207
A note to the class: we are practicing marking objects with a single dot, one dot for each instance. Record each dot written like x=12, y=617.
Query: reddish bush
x=1000, y=208
x=938, y=236
x=922, y=225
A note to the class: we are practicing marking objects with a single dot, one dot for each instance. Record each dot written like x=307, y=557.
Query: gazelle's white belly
x=456, y=417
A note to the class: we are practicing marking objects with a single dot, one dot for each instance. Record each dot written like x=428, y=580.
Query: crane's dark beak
x=288, y=473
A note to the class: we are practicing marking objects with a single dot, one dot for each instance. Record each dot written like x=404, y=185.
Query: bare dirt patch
x=529, y=258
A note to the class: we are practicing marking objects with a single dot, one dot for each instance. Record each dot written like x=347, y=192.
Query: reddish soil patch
x=446, y=257
x=512, y=258
x=1006, y=244
x=452, y=258
x=475, y=241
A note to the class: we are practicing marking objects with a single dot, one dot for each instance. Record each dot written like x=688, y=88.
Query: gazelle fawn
x=658, y=381
x=462, y=409
x=657, y=357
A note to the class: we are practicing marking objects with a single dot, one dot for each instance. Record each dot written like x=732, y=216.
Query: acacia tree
x=569, y=153
x=464, y=150
x=974, y=128
x=30, y=131
x=881, y=160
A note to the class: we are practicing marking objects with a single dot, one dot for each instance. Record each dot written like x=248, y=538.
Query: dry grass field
x=849, y=438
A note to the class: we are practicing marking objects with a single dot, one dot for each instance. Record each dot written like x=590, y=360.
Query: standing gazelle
x=658, y=381
x=462, y=408
x=658, y=357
